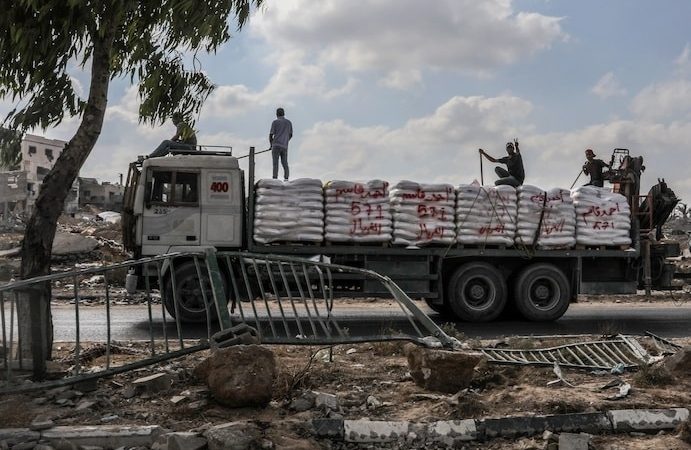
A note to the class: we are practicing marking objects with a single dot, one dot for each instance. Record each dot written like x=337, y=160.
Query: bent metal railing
x=207, y=298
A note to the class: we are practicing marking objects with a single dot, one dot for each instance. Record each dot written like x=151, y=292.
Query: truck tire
x=189, y=294
x=477, y=292
x=542, y=292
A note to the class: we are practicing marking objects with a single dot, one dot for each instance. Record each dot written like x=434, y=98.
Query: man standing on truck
x=184, y=138
x=281, y=132
x=515, y=174
x=593, y=167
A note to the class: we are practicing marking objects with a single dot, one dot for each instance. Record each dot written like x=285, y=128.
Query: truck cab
x=181, y=201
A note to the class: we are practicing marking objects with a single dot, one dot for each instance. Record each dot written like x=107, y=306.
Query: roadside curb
x=448, y=433
x=457, y=431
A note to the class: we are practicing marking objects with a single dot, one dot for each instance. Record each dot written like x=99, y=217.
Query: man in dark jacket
x=514, y=174
x=280, y=134
x=593, y=167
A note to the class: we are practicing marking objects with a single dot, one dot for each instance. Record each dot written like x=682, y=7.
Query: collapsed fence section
x=185, y=301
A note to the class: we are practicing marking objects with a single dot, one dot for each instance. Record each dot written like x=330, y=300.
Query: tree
x=146, y=42
x=10, y=149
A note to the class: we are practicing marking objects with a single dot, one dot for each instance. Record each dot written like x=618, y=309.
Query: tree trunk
x=35, y=322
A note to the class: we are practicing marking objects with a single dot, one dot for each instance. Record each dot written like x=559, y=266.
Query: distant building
x=38, y=157
x=106, y=195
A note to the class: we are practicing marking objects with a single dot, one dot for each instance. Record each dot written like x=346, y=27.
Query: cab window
x=174, y=188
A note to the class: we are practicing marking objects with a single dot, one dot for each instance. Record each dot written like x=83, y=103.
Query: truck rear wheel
x=188, y=290
x=542, y=292
x=477, y=292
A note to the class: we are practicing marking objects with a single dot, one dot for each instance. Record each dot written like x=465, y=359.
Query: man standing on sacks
x=515, y=174
x=279, y=136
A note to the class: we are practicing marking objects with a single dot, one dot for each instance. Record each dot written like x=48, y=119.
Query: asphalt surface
x=666, y=319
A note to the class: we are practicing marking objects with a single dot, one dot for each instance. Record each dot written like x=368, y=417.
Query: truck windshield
x=174, y=188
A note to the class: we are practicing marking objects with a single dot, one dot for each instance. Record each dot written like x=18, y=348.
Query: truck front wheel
x=188, y=292
x=477, y=292
x=542, y=292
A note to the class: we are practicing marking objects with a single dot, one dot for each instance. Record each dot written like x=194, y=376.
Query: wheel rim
x=544, y=293
x=478, y=292
x=190, y=295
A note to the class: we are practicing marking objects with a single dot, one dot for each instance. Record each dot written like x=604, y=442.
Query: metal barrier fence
x=188, y=300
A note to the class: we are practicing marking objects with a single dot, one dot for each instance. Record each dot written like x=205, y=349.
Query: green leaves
x=41, y=39
x=10, y=149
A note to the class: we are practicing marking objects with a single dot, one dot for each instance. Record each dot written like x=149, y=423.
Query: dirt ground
x=356, y=374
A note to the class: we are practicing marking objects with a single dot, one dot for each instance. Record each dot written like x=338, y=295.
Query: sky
x=405, y=89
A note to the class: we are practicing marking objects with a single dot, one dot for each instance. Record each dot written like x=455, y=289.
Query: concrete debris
x=233, y=436
x=326, y=401
x=106, y=436
x=573, y=441
x=441, y=370
x=180, y=441
x=240, y=376
x=373, y=402
x=350, y=351
x=70, y=244
x=41, y=423
x=680, y=363
x=153, y=383
x=303, y=403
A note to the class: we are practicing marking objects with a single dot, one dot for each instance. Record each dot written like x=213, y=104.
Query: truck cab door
x=222, y=208
x=171, y=215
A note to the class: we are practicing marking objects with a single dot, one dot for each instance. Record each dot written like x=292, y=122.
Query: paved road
x=666, y=319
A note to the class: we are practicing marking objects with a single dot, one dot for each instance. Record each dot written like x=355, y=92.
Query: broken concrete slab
x=326, y=401
x=71, y=243
x=303, y=403
x=180, y=441
x=108, y=436
x=442, y=370
x=572, y=441
x=14, y=436
x=331, y=428
x=41, y=423
x=452, y=432
x=157, y=382
x=647, y=419
x=363, y=431
x=531, y=425
x=233, y=436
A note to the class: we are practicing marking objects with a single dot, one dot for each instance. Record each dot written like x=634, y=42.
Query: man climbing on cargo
x=281, y=132
x=515, y=174
x=184, y=138
x=593, y=167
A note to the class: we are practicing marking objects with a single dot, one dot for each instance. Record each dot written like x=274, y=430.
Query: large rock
x=239, y=376
x=441, y=370
x=233, y=436
x=679, y=363
x=71, y=243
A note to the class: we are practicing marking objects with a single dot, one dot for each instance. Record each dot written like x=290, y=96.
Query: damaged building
x=19, y=188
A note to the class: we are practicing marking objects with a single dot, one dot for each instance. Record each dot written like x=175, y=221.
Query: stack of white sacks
x=603, y=217
x=357, y=212
x=289, y=211
x=558, y=222
x=423, y=213
x=485, y=214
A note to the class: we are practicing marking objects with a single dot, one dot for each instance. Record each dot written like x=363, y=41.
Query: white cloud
x=683, y=61
x=608, y=86
x=664, y=100
x=398, y=37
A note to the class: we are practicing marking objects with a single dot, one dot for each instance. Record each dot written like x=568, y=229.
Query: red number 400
x=219, y=186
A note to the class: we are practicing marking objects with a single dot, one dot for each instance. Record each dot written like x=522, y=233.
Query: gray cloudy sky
x=404, y=89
